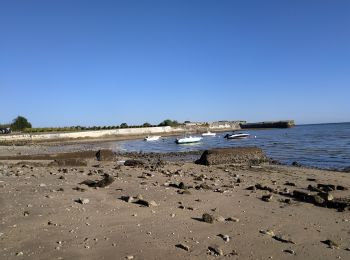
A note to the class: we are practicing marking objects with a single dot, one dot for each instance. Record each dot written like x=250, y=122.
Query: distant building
x=227, y=124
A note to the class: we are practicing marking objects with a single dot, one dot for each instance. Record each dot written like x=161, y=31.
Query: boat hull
x=188, y=140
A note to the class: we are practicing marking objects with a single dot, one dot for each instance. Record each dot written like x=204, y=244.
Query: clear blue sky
x=65, y=62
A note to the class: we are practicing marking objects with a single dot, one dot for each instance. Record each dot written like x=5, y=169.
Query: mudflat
x=164, y=209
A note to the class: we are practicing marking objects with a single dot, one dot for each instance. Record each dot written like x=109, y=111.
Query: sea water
x=325, y=146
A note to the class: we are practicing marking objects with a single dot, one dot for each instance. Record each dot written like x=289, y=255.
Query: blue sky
x=106, y=62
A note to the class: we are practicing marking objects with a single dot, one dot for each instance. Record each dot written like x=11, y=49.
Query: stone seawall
x=269, y=124
x=109, y=134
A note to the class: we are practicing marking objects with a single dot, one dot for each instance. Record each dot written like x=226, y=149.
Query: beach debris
x=232, y=219
x=219, y=218
x=19, y=253
x=183, y=246
x=267, y=198
x=216, y=250
x=226, y=238
x=278, y=237
x=267, y=232
x=289, y=251
x=82, y=200
x=147, y=203
x=139, y=200
x=331, y=243
x=107, y=180
x=129, y=257
x=26, y=213
x=282, y=239
x=208, y=218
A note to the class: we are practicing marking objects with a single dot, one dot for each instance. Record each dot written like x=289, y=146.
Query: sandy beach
x=161, y=209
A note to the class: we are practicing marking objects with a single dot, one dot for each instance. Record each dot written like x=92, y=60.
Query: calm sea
x=324, y=146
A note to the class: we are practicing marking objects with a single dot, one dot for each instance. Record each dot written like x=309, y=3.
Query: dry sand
x=42, y=217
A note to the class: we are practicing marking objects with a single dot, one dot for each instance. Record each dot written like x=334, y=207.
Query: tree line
x=21, y=124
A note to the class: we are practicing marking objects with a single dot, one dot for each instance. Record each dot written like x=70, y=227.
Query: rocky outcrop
x=237, y=155
x=69, y=162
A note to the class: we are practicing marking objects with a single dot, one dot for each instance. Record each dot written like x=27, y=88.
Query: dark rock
x=330, y=243
x=147, y=203
x=208, y=218
x=261, y=187
x=296, y=164
x=290, y=184
x=134, y=163
x=79, y=189
x=346, y=169
x=238, y=155
x=339, y=187
x=289, y=251
x=303, y=196
x=251, y=188
x=105, y=155
x=311, y=179
x=282, y=239
x=107, y=180
x=183, y=246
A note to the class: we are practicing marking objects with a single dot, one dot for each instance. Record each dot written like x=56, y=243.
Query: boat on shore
x=152, y=138
x=187, y=140
x=209, y=134
x=237, y=136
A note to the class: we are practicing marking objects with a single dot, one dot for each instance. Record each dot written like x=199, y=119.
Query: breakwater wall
x=115, y=133
x=269, y=124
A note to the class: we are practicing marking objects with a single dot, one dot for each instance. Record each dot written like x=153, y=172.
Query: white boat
x=209, y=134
x=187, y=140
x=152, y=138
x=237, y=136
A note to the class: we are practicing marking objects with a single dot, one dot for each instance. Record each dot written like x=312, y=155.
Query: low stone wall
x=125, y=132
x=237, y=155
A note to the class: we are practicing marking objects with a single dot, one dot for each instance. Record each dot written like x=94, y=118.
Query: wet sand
x=45, y=214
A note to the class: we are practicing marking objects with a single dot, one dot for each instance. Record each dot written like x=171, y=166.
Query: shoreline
x=156, y=207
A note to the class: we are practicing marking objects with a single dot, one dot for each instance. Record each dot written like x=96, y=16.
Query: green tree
x=168, y=122
x=20, y=123
x=124, y=125
x=146, y=124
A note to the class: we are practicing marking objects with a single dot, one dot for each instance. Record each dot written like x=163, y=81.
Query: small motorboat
x=187, y=140
x=236, y=136
x=209, y=134
x=152, y=138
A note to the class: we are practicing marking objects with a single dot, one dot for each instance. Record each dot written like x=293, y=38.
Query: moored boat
x=237, y=136
x=152, y=138
x=209, y=134
x=187, y=140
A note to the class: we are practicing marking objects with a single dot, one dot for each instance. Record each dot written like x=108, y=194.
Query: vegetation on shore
x=21, y=124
